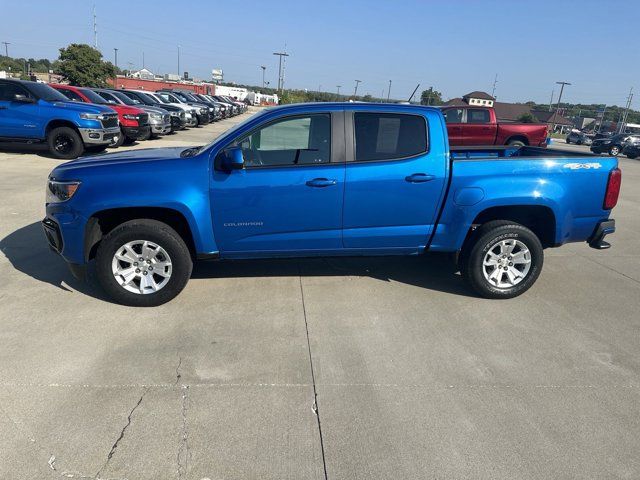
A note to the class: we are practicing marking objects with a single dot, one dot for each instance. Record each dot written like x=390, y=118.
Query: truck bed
x=506, y=152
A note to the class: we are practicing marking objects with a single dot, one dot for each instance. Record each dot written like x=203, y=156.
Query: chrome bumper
x=99, y=136
x=160, y=128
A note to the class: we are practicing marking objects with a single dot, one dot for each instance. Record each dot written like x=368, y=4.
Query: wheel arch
x=540, y=219
x=521, y=138
x=104, y=221
x=59, y=122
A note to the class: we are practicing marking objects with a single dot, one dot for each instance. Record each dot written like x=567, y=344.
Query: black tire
x=120, y=141
x=161, y=235
x=515, y=143
x=65, y=143
x=614, y=151
x=568, y=141
x=487, y=238
x=632, y=157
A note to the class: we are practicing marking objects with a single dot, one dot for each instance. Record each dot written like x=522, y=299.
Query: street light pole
x=280, y=70
x=179, y=61
x=562, y=84
x=355, y=92
x=389, y=91
x=338, y=86
x=263, y=70
x=6, y=48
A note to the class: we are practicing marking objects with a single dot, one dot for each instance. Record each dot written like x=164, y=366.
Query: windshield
x=124, y=98
x=146, y=98
x=45, y=92
x=93, y=96
x=181, y=96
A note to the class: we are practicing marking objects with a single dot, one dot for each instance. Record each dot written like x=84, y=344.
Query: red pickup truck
x=479, y=126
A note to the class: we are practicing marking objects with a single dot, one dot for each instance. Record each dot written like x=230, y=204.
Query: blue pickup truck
x=32, y=112
x=326, y=179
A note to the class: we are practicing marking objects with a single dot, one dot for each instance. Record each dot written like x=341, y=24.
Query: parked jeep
x=34, y=112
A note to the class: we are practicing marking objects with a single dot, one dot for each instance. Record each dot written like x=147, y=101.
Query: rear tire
x=516, y=143
x=129, y=280
x=632, y=157
x=119, y=142
x=65, y=143
x=502, y=260
x=614, y=151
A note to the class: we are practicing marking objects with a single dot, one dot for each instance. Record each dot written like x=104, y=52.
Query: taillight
x=613, y=189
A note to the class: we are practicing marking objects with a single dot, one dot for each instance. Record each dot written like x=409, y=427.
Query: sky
x=456, y=46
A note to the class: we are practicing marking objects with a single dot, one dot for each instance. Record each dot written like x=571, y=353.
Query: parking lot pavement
x=415, y=377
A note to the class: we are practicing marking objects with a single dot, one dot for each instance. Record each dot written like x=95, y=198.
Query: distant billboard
x=217, y=74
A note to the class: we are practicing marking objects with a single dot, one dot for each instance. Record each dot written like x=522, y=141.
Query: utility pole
x=281, y=70
x=95, y=29
x=338, y=86
x=263, y=71
x=495, y=82
x=115, y=77
x=562, y=84
x=179, y=62
x=355, y=92
x=6, y=48
x=626, y=111
x=553, y=91
x=115, y=51
x=389, y=91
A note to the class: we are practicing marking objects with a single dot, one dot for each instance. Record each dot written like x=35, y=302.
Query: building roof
x=547, y=117
x=480, y=95
x=510, y=111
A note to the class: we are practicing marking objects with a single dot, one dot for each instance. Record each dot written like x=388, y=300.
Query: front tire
x=65, y=143
x=503, y=261
x=614, y=151
x=143, y=263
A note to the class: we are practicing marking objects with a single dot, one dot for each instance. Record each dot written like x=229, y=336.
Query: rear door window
x=478, y=115
x=71, y=95
x=388, y=136
x=453, y=115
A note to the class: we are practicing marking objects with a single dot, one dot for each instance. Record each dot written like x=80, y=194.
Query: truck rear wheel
x=503, y=260
x=143, y=263
x=65, y=143
x=515, y=143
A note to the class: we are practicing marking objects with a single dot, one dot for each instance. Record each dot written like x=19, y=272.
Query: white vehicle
x=190, y=111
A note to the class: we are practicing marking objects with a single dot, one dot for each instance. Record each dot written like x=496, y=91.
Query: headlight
x=156, y=116
x=61, y=191
x=91, y=116
x=203, y=111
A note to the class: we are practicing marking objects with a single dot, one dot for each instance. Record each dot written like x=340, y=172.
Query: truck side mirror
x=18, y=97
x=232, y=159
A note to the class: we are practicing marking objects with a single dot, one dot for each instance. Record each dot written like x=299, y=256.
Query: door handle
x=419, y=178
x=321, y=182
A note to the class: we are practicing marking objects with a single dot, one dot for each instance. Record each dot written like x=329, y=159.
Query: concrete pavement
x=287, y=369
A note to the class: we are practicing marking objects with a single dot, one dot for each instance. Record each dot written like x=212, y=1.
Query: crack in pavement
x=178, y=375
x=183, y=451
x=124, y=429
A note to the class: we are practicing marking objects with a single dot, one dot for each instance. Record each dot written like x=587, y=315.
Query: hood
x=81, y=107
x=74, y=169
x=150, y=109
x=127, y=110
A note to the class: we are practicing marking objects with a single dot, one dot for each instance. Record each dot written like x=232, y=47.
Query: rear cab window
x=389, y=136
x=478, y=115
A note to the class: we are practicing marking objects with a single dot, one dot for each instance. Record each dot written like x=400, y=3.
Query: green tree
x=527, y=118
x=431, y=97
x=82, y=65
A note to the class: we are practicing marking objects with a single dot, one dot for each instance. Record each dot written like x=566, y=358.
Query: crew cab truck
x=326, y=179
x=34, y=112
x=474, y=126
x=134, y=122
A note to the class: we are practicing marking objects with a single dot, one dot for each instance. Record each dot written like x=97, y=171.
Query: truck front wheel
x=143, y=263
x=503, y=261
x=65, y=143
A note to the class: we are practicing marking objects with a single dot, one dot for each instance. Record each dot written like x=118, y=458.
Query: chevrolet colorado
x=326, y=179
x=34, y=112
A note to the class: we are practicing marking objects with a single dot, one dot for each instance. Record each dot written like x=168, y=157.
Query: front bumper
x=160, y=129
x=606, y=227
x=98, y=136
x=136, y=133
x=53, y=235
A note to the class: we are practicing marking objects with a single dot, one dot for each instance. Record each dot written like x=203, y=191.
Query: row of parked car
x=623, y=143
x=73, y=120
